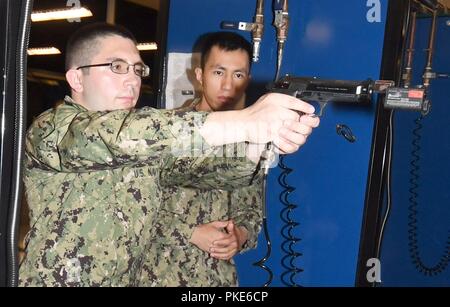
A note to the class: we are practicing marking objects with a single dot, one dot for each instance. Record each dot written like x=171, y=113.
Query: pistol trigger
x=322, y=107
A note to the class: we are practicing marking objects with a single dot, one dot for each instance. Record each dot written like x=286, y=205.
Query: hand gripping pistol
x=321, y=91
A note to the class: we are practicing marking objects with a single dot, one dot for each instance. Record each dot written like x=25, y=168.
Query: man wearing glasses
x=95, y=165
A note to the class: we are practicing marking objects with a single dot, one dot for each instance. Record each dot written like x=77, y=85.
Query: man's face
x=104, y=90
x=224, y=79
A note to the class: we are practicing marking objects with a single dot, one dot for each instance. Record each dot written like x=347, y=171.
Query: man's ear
x=199, y=75
x=75, y=79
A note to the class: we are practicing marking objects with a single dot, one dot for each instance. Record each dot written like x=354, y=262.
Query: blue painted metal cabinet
x=327, y=39
x=433, y=196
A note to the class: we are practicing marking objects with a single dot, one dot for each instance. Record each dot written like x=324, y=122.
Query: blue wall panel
x=327, y=40
x=434, y=181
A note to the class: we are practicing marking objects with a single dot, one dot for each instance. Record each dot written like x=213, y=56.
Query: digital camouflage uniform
x=173, y=260
x=93, y=184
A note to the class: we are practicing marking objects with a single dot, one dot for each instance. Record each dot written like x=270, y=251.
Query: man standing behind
x=199, y=231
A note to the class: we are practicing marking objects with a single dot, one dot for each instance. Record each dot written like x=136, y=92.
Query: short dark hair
x=83, y=44
x=228, y=41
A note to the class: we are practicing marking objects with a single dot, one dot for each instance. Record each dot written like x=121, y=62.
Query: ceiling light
x=147, y=46
x=43, y=51
x=61, y=14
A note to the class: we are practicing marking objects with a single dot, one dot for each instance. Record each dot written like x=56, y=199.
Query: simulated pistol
x=323, y=91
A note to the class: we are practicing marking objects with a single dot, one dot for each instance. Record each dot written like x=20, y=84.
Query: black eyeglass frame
x=146, y=69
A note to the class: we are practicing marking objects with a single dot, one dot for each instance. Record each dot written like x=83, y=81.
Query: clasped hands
x=221, y=239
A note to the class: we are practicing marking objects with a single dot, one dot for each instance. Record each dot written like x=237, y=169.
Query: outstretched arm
x=273, y=118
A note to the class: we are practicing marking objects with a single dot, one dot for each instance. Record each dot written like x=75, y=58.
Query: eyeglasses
x=122, y=67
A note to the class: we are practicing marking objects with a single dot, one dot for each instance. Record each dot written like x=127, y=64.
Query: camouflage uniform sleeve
x=208, y=172
x=175, y=228
x=101, y=140
x=246, y=210
x=182, y=209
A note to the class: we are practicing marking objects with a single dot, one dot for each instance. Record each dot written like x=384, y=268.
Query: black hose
x=290, y=241
x=261, y=263
x=412, y=217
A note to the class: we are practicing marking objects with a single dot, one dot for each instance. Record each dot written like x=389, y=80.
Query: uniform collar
x=68, y=100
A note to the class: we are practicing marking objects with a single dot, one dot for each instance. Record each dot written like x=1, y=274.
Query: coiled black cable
x=261, y=263
x=290, y=241
x=412, y=217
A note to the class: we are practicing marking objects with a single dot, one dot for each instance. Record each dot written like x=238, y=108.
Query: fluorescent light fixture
x=43, y=51
x=61, y=14
x=147, y=46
